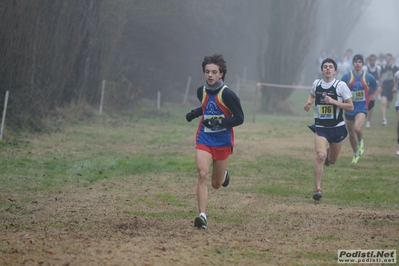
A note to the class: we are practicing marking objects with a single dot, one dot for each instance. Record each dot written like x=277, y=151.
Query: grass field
x=122, y=191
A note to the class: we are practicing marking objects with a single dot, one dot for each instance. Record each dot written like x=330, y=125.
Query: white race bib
x=358, y=96
x=214, y=129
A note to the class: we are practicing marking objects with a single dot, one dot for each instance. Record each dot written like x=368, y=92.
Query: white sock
x=360, y=142
x=203, y=214
x=356, y=154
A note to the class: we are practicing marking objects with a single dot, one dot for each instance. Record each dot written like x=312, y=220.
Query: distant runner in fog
x=374, y=69
x=342, y=67
x=348, y=55
x=395, y=90
x=220, y=111
x=387, y=78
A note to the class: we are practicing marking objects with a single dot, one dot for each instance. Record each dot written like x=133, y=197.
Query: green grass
x=170, y=199
x=157, y=150
x=346, y=185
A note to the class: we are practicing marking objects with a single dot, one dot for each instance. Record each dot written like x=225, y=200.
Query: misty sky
x=378, y=29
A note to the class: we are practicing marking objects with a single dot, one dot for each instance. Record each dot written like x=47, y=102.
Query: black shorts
x=387, y=92
x=331, y=134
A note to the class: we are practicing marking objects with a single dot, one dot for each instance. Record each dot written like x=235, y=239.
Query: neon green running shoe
x=360, y=149
x=355, y=159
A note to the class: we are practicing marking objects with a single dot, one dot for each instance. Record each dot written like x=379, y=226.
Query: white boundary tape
x=262, y=84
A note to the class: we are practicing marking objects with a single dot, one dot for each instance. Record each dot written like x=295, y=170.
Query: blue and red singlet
x=213, y=107
x=361, y=86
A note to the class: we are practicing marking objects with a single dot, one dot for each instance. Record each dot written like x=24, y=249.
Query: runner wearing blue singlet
x=330, y=97
x=220, y=111
x=364, y=88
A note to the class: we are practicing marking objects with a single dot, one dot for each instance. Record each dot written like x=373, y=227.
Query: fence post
x=102, y=98
x=159, y=100
x=187, y=89
x=4, y=116
x=255, y=101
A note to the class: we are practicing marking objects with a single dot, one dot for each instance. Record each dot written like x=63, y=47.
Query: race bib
x=324, y=112
x=214, y=129
x=358, y=96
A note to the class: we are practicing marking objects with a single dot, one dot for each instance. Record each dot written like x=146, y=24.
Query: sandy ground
x=95, y=226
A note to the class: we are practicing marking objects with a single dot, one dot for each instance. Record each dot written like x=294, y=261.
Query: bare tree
x=286, y=30
x=54, y=53
x=340, y=21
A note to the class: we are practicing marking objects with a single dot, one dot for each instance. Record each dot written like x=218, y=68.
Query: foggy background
x=377, y=29
x=56, y=53
x=374, y=32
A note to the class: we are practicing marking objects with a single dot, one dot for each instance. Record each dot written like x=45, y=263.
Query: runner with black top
x=220, y=111
x=374, y=69
x=331, y=97
x=387, y=78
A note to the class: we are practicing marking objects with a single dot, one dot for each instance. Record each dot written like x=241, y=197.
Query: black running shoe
x=227, y=179
x=200, y=222
x=317, y=195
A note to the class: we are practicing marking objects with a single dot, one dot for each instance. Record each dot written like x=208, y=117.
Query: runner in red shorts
x=220, y=111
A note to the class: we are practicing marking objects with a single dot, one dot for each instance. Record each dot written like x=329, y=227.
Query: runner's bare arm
x=395, y=85
x=309, y=102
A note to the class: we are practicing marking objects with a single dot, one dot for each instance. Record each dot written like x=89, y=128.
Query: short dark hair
x=329, y=60
x=218, y=60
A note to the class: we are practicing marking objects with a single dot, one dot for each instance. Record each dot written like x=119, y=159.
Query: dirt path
x=97, y=226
